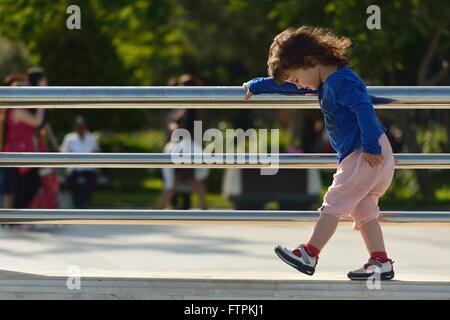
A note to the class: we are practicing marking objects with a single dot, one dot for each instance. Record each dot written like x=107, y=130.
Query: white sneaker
x=298, y=258
x=385, y=269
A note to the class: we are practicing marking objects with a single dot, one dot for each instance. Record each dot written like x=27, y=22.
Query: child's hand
x=373, y=159
x=249, y=93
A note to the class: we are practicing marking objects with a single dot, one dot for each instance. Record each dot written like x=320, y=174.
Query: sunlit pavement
x=214, y=251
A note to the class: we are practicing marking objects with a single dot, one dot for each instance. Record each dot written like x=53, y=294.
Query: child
x=308, y=60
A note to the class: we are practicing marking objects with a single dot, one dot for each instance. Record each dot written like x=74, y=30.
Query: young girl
x=313, y=60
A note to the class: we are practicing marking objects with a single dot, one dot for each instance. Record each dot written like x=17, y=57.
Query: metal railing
x=205, y=98
x=127, y=216
x=164, y=160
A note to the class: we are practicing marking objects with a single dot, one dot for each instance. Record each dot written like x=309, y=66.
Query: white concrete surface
x=211, y=261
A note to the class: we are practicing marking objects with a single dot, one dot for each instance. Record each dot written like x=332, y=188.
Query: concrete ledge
x=27, y=286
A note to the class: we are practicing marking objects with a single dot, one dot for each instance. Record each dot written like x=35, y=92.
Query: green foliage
x=225, y=42
x=141, y=142
x=83, y=57
x=13, y=57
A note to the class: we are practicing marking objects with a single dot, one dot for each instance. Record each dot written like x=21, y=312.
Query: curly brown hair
x=305, y=47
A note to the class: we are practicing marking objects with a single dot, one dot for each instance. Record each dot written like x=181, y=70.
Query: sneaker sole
x=295, y=264
x=359, y=277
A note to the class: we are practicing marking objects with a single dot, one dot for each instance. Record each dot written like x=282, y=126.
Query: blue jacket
x=349, y=115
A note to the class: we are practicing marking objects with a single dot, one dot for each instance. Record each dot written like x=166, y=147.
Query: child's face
x=304, y=78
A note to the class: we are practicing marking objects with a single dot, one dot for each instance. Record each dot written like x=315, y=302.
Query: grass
x=147, y=197
x=146, y=200
x=400, y=198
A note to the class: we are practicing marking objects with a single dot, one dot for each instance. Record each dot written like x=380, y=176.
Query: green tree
x=14, y=57
x=83, y=57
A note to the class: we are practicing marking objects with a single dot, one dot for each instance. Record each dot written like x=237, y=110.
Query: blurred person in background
x=37, y=78
x=81, y=181
x=174, y=178
x=47, y=195
x=20, y=185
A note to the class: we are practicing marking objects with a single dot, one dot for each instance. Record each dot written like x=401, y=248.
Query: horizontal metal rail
x=205, y=97
x=164, y=160
x=107, y=216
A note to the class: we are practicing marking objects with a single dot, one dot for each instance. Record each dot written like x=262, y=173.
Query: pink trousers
x=357, y=186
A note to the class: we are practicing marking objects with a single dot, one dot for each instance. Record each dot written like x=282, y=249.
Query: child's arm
x=268, y=85
x=357, y=100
